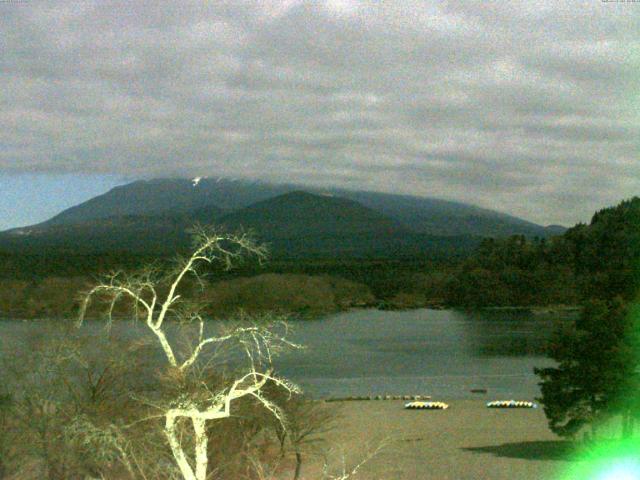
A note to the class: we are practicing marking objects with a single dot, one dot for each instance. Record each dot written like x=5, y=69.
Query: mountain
x=554, y=230
x=296, y=224
x=168, y=197
x=133, y=233
x=304, y=225
x=444, y=217
x=176, y=196
x=301, y=214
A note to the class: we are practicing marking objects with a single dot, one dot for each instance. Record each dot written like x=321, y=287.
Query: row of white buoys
x=511, y=404
x=426, y=406
x=494, y=404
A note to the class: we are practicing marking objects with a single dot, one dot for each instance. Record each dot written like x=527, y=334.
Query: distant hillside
x=176, y=196
x=304, y=215
x=304, y=225
x=133, y=233
x=553, y=230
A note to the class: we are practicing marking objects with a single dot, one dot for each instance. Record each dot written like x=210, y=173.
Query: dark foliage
x=599, y=260
x=597, y=355
x=595, y=364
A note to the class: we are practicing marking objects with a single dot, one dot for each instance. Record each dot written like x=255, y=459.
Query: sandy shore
x=467, y=441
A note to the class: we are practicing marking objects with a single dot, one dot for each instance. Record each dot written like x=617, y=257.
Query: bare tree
x=67, y=407
x=308, y=421
x=197, y=404
x=346, y=472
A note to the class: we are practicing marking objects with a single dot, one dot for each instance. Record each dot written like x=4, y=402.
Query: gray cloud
x=529, y=107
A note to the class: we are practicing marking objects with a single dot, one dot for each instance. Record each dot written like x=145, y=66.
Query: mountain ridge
x=295, y=224
x=291, y=213
x=183, y=196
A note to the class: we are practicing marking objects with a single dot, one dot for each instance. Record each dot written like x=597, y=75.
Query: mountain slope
x=443, y=217
x=305, y=225
x=133, y=233
x=174, y=196
x=295, y=225
x=301, y=214
x=167, y=196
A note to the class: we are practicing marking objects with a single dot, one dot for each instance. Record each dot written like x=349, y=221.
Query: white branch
x=166, y=346
x=202, y=460
x=176, y=449
x=196, y=351
x=258, y=343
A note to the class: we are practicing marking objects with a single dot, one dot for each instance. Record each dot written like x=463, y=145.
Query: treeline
x=414, y=282
x=55, y=263
x=517, y=272
x=598, y=260
x=47, y=285
x=303, y=295
x=597, y=376
x=587, y=261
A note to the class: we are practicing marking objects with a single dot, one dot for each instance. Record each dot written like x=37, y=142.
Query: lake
x=443, y=353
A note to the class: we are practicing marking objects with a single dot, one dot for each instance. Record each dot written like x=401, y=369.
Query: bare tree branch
x=258, y=342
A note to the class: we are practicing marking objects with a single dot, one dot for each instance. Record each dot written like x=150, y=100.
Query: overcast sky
x=528, y=107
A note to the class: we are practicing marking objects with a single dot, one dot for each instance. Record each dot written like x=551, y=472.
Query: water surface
x=443, y=353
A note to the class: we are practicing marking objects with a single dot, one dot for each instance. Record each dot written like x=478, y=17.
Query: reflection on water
x=442, y=353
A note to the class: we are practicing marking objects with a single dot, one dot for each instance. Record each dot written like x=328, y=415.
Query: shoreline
x=310, y=316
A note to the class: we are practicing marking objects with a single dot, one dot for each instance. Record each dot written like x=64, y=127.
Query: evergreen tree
x=596, y=367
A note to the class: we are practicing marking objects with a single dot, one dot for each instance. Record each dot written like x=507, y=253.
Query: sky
x=26, y=199
x=527, y=107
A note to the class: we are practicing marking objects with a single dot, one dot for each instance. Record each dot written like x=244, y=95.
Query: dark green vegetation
x=596, y=370
x=520, y=272
x=38, y=287
x=598, y=355
x=308, y=234
x=598, y=260
x=398, y=248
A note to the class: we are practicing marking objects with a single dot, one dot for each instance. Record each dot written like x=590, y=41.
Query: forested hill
x=601, y=259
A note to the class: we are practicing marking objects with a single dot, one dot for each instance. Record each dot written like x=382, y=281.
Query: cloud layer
x=529, y=107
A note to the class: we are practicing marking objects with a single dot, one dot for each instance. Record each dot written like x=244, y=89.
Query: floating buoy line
x=494, y=404
x=379, y=397
x=511, y=404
